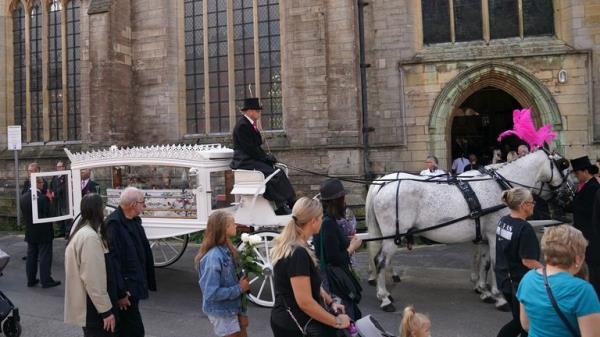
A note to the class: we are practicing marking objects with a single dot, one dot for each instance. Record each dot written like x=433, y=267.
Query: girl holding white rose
x=222, y=289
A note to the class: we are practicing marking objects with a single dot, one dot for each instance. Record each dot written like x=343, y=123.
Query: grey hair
x=434, y=158
x=129, y=196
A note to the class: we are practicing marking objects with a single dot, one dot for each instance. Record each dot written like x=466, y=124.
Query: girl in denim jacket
x=221, y=288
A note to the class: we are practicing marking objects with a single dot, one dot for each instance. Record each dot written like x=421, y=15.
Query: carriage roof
x=214, y=157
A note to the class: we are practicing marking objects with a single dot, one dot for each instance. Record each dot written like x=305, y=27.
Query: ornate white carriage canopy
x=211, y=156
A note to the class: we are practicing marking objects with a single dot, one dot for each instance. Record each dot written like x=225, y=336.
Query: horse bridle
x=561, y=165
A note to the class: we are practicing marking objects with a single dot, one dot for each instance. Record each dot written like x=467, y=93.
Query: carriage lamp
x=562, y=76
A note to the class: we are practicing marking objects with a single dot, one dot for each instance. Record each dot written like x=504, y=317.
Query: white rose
x=254, y=239
x=245, y=237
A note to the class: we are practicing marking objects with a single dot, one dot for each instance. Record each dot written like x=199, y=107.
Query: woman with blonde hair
x=414, y=324
x=553, y=301
x=300, y=300
x=517, y=251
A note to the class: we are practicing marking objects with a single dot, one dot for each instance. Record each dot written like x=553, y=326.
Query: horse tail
x=374, y=247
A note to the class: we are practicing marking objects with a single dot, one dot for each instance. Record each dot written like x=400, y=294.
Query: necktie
x=254, y=126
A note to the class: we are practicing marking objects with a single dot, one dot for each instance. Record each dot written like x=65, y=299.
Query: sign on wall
x=14, y=137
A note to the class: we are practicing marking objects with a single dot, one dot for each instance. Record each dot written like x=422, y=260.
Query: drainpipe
x=363, y=88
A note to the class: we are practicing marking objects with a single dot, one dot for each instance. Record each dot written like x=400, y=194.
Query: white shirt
x=436, y=172
x=458, y=165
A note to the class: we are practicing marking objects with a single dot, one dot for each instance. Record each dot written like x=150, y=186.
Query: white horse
x=417, y=205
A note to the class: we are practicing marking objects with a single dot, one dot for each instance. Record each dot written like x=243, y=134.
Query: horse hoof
x=372, y=282
x=396, y=278
x=504, y=307
x=488, y=300
x=388, y=308
x=391, y=298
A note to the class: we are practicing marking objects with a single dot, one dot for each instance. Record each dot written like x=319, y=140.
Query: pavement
x=434, y=278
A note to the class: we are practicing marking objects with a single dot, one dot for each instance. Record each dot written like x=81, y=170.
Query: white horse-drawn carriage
x=174, y=211
x=397, y=205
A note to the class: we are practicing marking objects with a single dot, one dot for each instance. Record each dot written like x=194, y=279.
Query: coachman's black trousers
x=130, y=321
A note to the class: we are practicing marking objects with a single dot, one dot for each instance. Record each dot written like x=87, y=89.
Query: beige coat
x=85, y=273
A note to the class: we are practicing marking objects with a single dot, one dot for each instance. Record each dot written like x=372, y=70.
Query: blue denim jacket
x=221, y=292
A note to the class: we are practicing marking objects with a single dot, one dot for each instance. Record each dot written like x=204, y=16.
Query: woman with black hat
x=334, y=249
x=586, y=210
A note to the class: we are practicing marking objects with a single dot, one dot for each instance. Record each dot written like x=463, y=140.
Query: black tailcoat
x=585, y=204
x=249, y=155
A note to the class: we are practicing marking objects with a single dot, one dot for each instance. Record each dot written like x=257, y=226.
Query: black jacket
x=585, y=212
x=134, y=264
x=40, y=232
x=58, y=186
x=335, y=244
x=90, y=187
x=247, y=145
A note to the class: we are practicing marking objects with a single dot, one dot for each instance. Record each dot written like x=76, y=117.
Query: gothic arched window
x=223, y=58
x=35, y=61
x=19, y=78
x=73, y=69
x=55, y=70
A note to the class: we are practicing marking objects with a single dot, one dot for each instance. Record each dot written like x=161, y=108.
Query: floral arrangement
x=247, y=261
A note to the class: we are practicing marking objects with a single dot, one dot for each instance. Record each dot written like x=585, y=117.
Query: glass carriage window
x=468, y=21
x=538, y=17
x=55, y=70
x=36, y=73
x=243, y=35
x=73, y=69
x=436, y=21
x=194, y=66
x=270, y=63
x=217, y=69
x=19, y=96
x=504, y=18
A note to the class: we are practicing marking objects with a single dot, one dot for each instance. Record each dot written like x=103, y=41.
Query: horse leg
x=382, y=261
x=374, y=248
x=500, y=302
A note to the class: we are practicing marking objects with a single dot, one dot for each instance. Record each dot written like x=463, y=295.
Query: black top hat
x=583, y=163
x=251, y=103
x=332, y=189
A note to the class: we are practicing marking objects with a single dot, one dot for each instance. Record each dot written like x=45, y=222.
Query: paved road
x=435, y=278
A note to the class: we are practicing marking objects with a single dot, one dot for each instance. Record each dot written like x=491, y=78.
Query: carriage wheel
x=262, y=290
x=11, y=327
x=168, y=250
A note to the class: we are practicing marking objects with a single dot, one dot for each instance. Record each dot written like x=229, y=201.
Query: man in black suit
x=87, y=184
x=249, y=155
x=586, y=210
x=32, y=168
x=39, y=238
x=60, y=196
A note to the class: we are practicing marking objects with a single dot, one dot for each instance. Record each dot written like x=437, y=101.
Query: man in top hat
x=249, y=155
x=586, y=210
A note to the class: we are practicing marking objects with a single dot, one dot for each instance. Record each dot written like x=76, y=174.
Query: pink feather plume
x=524, y=128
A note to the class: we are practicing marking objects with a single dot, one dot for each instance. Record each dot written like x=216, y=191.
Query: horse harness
x=475, y=210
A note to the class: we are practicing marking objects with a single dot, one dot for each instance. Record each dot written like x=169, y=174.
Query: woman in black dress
x=301, y=303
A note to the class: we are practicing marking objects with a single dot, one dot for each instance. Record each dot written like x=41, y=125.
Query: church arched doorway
x=478, y=121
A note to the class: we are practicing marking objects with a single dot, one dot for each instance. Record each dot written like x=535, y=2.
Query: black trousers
x=294, y=331
x=130, y=321
x=512, y=328
x=96, y=332
x=39, y=253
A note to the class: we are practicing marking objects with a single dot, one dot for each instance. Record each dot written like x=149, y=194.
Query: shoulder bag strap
x=555, y=305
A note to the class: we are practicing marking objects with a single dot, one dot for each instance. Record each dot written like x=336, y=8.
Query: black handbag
x=556, y=308
x=312, y=328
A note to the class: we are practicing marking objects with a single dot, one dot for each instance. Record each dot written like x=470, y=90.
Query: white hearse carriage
x=174, y=210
